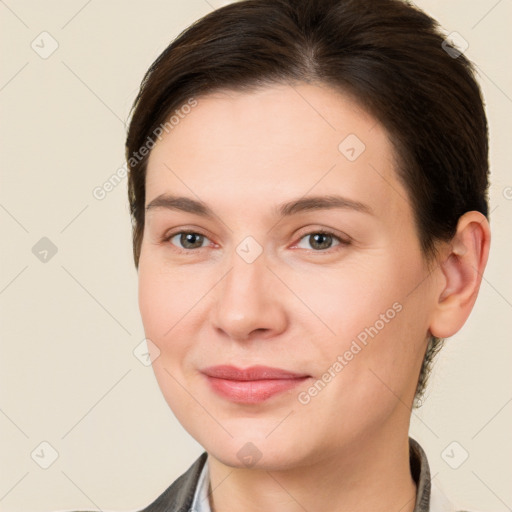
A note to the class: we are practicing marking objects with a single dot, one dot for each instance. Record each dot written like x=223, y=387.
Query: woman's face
x=257, y=284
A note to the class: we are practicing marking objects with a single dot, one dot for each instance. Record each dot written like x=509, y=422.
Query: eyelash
x=342, y=242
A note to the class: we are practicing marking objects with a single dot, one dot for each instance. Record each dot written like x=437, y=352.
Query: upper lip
x=252, y=373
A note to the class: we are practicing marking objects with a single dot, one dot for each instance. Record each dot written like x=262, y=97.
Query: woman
x=308, y=188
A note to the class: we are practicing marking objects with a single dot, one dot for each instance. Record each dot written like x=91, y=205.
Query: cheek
x=166, y=308
x=154, y=303
x=173, y=304
x=163, y=304
x=349, y=298
x=376, y=324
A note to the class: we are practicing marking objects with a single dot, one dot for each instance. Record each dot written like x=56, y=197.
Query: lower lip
x=252, y=391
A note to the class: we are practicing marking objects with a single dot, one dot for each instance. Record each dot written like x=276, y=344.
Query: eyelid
x=343, y=239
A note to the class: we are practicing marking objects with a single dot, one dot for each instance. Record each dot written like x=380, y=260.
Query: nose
x=248, y=302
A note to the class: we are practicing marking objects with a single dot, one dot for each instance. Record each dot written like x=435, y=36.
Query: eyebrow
x=303, y=204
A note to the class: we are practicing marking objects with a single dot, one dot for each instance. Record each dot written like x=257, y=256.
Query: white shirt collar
x=200, y=503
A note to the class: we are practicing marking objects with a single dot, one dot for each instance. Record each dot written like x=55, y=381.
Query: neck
x=370, y=474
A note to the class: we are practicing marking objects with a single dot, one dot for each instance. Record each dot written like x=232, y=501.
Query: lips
x=251, y=373
x=251, y=385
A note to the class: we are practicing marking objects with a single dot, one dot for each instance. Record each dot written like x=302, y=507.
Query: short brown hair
x=386, y=54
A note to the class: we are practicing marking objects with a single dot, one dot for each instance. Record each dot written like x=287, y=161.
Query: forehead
x=274, y=142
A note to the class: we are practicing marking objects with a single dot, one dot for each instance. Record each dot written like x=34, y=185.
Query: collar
x=190, y=491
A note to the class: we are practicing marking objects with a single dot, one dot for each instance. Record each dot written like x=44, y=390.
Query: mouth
x=251, y=385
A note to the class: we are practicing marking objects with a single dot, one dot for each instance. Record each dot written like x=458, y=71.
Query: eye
x=186, y=240
x=323, y=240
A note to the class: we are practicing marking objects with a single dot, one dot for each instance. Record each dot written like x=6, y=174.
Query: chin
x=258, y=452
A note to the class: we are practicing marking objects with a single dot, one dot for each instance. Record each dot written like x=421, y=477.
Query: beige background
x=70, y=325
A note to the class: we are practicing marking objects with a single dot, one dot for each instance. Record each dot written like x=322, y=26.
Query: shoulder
x=179, y=495
x=181, y=492
x=431, y=496
x=439, y=501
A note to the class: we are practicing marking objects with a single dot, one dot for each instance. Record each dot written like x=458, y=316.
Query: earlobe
x=462, y=268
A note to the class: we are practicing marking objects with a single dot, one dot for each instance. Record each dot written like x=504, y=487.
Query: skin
x=297, y=306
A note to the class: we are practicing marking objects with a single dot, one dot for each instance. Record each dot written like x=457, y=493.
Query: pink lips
x=251, y=385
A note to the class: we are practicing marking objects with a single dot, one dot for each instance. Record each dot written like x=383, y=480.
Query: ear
x=461, y=266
